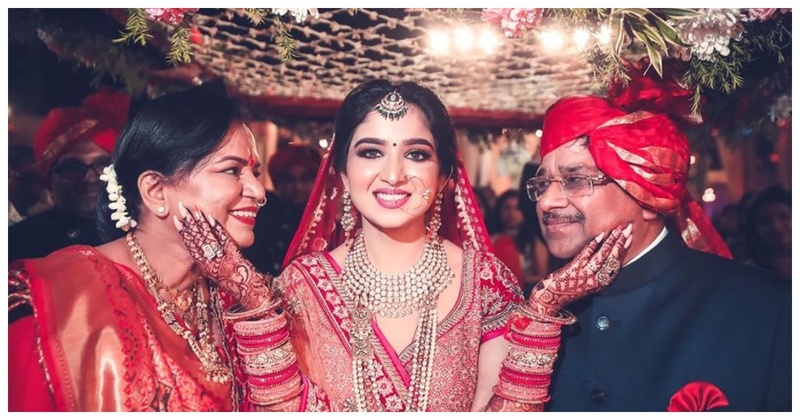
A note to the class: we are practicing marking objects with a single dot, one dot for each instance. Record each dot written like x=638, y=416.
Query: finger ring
x=609, y=270
x=211, y=251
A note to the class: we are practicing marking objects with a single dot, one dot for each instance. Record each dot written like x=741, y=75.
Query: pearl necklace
x=417, y=289
x=203, y=345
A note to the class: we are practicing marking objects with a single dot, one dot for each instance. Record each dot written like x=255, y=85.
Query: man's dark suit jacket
x=673, y=317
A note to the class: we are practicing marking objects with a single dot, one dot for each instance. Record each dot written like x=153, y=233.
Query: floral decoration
x=514, y=22
x=117, y=200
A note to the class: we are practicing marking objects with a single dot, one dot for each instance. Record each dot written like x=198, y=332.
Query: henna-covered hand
x=219, y=258
x=588, y=272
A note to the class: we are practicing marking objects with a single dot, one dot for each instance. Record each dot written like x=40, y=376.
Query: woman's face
x=510, y=215
x=392, y=171
x=774, y=224
x=226, y=186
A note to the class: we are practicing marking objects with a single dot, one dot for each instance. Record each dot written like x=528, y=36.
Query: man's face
x=569, y=223
x=75, y=181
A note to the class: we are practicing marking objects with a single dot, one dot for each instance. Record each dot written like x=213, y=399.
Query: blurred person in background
x=71, y=148
x=27, y=195
x=292, y=170
x=769, y=231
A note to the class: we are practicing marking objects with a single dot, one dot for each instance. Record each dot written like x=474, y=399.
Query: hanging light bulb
x=604, y=35
x=487, y=40
x=580, y=37
x=438, y=41
x=552, y=39
x=463, y=38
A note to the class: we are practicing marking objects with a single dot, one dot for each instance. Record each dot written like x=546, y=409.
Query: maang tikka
x=392, y=106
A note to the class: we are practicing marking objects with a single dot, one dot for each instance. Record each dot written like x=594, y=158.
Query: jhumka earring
x=392, y=106
x=436, y=217
x=348, y=221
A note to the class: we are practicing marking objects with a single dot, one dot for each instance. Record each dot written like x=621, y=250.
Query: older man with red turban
x=680, y=328
x=71, y=148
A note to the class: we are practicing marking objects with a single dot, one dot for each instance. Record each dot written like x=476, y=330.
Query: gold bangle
x=562, y=316
x=237, y=313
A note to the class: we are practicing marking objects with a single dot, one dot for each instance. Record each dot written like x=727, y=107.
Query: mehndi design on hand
x=220, y=259
x=587, y=273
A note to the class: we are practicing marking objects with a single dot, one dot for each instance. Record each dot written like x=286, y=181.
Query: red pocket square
x=697, y=396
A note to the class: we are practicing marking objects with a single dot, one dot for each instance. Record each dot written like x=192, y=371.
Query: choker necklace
x=395, y=296
x=203, y=345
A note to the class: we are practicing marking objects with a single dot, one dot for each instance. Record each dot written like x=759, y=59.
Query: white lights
x=488, y=41
x=323, y=143
x=709, y=196
x=552, y=39
x=581, y=37
x=604, y=35
x=464, y=40
x=692, y=159
x=557, y=40
x=438, y=41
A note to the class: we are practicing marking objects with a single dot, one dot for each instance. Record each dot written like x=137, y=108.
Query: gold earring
x=348, y=221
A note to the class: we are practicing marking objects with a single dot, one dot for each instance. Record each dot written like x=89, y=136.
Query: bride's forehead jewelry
x=392, y=106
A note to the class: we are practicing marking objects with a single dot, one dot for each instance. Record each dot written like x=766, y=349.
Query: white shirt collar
x=652, y=245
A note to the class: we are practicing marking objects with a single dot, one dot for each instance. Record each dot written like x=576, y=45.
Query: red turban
x=633, y=141
x=100, y=118
x=293, y=155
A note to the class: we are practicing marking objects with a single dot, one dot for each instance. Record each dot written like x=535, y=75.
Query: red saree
x=320, y=326
x=96, y=342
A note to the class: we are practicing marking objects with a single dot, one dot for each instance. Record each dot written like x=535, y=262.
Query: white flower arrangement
x=114, y=190
x=711, y=32
x=299, y=14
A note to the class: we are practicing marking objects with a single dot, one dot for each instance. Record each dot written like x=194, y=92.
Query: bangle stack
x=269, y=360
x=527, y=369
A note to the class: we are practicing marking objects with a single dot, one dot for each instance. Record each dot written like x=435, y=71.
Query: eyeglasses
x=75, y=170
x=571, y=186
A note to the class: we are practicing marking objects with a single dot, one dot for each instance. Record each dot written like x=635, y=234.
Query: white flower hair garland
x=114, y=190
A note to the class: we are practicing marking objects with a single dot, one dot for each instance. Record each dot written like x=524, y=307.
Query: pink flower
x=763, y=14
x=514, y=22
x=172, y=16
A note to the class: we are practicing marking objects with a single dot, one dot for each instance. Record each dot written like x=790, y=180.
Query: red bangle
x=273, y=379
x=264, y=341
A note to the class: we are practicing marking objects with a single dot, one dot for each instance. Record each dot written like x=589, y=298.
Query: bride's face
x=392, y=170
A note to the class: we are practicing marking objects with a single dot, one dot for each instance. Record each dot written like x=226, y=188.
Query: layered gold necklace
x=202, y=343
x=395, y=296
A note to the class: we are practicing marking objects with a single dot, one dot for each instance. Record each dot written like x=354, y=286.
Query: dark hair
x=363, y=99
x=521, y=238
x=171, y=134
x=757, y=248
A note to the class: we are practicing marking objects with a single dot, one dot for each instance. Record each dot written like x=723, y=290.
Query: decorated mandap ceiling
x=344, y=47
x=510, y=83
